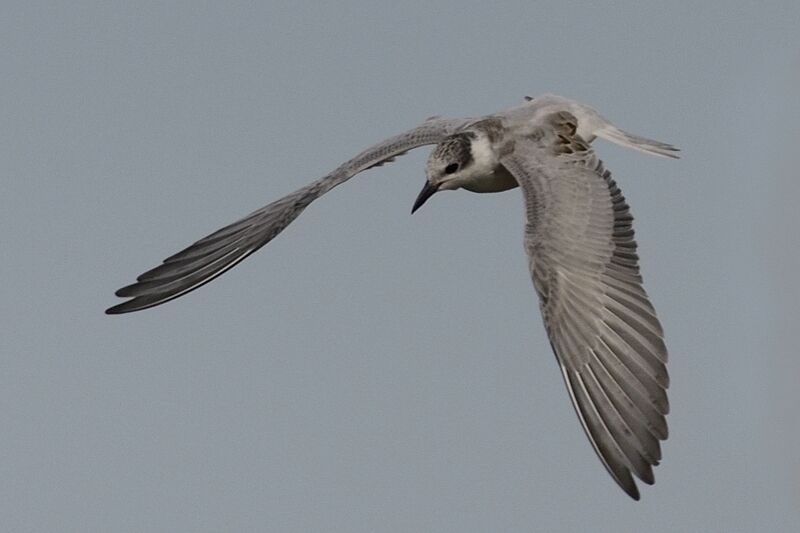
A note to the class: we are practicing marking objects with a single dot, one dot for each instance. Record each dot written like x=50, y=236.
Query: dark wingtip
x=115, y=310
x=126, y=291
x=633, y=491
x=128, y=306
x=134, y=304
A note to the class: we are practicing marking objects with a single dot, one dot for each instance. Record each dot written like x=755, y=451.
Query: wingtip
x=128, y=306
x=630, y=488
x=671, y=152
x=114, y=310
x=126, y=291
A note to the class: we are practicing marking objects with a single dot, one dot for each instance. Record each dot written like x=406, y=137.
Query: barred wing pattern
x=217, y=253
x=601, y=325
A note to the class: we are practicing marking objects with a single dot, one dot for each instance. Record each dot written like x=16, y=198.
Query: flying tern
x=580, y=245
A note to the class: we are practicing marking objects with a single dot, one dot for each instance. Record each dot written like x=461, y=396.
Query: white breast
x=485, y=174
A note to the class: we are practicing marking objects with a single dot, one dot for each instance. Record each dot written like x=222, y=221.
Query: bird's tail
x=592, y=124
x=611, y=133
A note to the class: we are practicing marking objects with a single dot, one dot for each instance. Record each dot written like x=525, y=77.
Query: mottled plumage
x=580, y=245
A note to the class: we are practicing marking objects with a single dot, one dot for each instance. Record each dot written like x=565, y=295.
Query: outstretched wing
x=222, y=250
x=601, y=325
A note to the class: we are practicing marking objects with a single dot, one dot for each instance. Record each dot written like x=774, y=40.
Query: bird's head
x=451, y=165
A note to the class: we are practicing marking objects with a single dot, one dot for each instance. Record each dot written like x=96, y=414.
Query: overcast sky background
x=369, y=370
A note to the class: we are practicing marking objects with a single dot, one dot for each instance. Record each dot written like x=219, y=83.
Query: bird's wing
x=222, y=250
x=601, y=325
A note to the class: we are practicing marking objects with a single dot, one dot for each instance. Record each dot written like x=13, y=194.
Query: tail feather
x=622, y=138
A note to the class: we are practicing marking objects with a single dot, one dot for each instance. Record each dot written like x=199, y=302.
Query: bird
x=579, y=240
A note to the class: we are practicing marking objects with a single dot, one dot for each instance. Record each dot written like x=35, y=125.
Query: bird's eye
x=452, y=167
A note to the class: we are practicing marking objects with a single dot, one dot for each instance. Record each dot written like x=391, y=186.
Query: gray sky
x=369, y=370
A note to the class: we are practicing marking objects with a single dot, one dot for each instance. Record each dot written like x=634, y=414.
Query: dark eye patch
x=452, y=167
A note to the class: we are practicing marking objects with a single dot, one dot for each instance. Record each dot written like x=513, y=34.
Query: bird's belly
x=499, y=180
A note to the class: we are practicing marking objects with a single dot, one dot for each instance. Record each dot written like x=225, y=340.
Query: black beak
x=427, y=191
